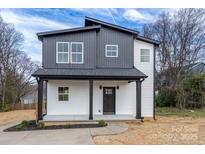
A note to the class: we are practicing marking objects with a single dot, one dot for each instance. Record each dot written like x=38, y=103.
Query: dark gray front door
x=108, y=100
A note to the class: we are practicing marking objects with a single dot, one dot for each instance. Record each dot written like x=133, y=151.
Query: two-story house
x=99, y=71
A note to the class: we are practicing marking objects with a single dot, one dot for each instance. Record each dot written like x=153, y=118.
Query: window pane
x=60, y=89
x=62, y=57
x=60, y=97
x=76, y=47
x=145, y=52
x=65, y=47
x=65, y=97
x=109, y=47
x=144, y=58
x=114, y=53
x=65, y=57
x=77, y=58
x=114, y=47
x=62, y=47
x=65, y=90
x=109, y=53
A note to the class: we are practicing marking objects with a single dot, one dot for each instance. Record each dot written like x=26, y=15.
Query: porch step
x=81, y=118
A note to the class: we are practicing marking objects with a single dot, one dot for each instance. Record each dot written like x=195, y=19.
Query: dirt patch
x=165, y=130
x=15, y=116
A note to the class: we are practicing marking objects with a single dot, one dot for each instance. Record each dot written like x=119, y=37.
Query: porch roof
x=99, y=73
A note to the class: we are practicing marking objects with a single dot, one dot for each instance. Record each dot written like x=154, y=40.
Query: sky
x=31, y=21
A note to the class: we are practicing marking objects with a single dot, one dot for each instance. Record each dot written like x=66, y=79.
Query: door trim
x=110, y=113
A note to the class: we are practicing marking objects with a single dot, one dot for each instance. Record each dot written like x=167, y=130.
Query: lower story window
x=63, y=93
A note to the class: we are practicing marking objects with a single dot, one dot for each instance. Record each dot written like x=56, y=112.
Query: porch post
x=40, y=100
x=138, y=99
x=91, y=100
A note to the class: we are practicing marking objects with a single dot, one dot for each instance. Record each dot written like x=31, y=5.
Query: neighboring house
x=196, y=68
x=29, y=98
x=99, y=71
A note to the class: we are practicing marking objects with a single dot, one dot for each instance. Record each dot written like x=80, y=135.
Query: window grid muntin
x=63, y=94
x=111, y=50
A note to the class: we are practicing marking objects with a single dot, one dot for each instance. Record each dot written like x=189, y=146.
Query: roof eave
x=148, y=40
x=40, y=35
x=87, y=77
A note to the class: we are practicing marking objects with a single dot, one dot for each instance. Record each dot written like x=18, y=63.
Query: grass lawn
x=167, y=111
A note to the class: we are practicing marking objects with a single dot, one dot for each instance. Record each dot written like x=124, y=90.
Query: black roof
x=95, y=24
x=92, y=21
x=99, y=73
x=62, y=31
x=145, y=39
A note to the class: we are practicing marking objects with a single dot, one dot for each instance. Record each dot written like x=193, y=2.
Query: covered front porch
x=92, y=97
x=86, y=117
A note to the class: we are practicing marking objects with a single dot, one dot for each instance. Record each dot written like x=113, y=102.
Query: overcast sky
x=31, y=21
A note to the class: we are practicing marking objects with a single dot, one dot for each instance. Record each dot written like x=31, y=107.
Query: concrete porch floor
x=86, y=117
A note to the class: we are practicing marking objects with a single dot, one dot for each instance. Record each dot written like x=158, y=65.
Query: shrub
x=192, y=92
x=166, y=98
x=102, y=123
x=25, y=123
x=40, y=125
x=20, y=127
x=68, y=126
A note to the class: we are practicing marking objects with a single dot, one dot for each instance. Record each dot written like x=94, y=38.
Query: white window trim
x=106, y=50
x=77, y=53
x=61, y=94
x=62, y=52
x=145, y=55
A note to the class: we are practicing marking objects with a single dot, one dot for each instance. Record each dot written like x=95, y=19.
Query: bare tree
x=15, y=66
x=182, y=38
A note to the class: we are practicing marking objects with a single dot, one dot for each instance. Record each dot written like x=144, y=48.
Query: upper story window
x=145, y=55
x=111, y=50
x=62, y=52
x=77, y=52
x=69, y=52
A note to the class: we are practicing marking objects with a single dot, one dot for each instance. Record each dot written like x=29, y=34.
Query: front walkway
x=61, y=136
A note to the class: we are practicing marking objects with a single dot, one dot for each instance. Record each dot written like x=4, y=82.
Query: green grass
x=166, y=111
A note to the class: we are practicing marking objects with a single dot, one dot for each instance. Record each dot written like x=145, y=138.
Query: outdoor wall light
x=118, y=87
x=100, y=87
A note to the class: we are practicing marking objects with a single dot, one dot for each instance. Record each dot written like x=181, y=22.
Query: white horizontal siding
x=78, y=103
x=148, y=83
x=125, y=97
x=78, y=98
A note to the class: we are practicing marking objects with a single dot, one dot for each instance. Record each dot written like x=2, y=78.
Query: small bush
x=40, y=125
x=25, y=123
x=102, y=123
x=20, y=127
x=166, y=98
x=191, y=93
x=68, y=126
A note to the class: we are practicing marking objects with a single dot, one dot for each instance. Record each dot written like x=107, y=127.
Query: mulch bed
x=32, y=126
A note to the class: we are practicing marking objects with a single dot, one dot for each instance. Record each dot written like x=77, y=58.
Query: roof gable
x=91, y=22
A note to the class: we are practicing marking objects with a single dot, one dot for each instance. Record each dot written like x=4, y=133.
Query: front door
x=108, y=100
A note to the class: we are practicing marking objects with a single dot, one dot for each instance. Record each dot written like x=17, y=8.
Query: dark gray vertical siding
x=49, y=49
x=125, y=44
